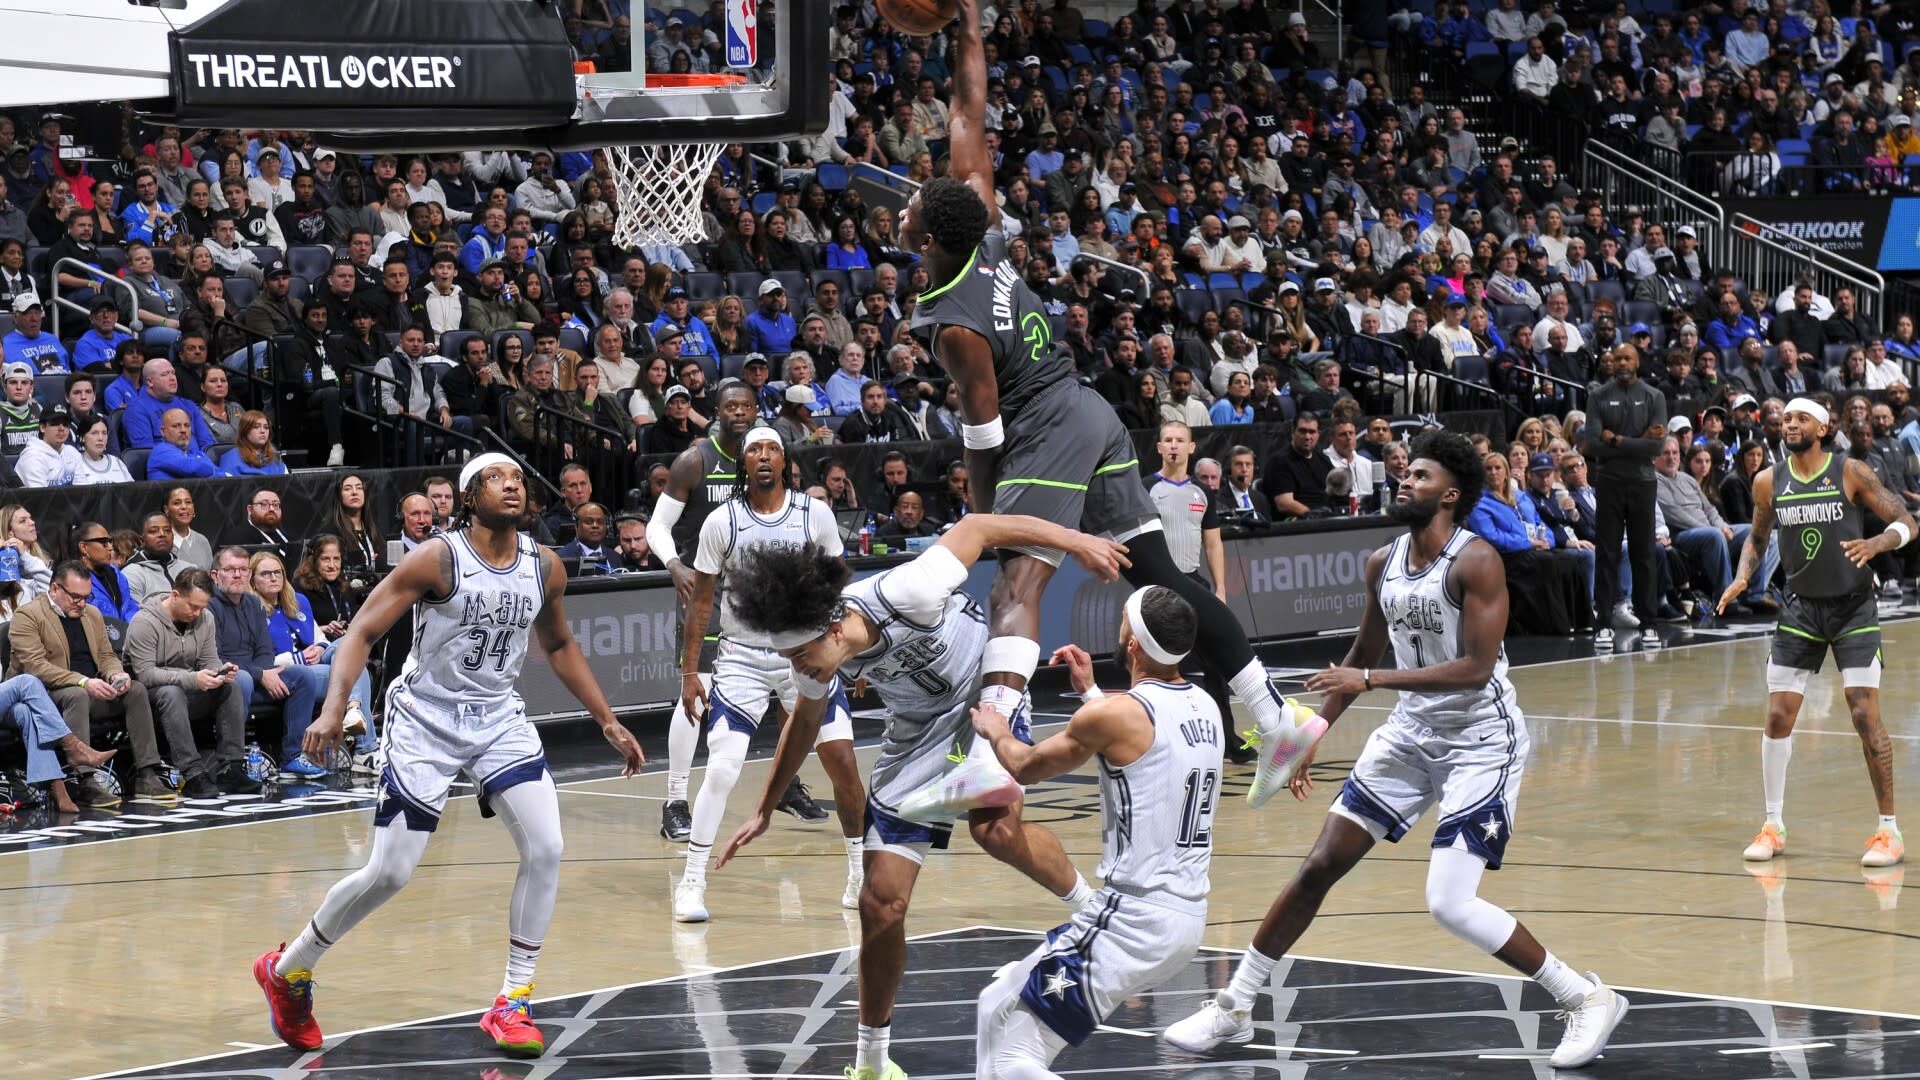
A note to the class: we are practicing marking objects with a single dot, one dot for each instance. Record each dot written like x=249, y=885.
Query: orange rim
x=673, y=82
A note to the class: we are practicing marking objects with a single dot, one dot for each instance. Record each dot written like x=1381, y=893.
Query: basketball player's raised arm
x=969, y=361
x=796, y=742
x=977, y=533
x=682, y=475
x=1758, y=537
x=1869, y=494
x=569, y=664
x=967, y=157
x=425, y=571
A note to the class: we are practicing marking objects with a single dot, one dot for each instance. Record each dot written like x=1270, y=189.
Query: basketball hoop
x=659, y=184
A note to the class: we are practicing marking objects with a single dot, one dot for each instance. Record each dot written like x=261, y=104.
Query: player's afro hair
x=1455, y=453
x=953, y=214
x=777, y=589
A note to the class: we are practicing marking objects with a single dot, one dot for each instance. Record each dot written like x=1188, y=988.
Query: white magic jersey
x=733, y=527
x=926, y=664
x=468, y=648
x=1423, y=622
x=1156, y=813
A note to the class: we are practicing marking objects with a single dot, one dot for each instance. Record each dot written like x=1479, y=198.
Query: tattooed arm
x=1866, y=491
x=1755, y=549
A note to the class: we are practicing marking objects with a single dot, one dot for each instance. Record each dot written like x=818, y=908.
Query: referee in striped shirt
x=1192, y=528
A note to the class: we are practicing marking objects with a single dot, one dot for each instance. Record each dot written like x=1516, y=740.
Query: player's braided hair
x=775, y=588
x=739, y=490
x=1455, y=453
x=953, y=213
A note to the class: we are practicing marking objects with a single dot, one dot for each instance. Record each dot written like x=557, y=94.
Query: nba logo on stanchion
x=743, y=37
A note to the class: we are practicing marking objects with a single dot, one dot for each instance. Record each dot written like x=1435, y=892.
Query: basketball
x=919, y=16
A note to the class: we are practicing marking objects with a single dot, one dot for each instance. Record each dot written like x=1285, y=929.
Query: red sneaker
x=510, y=1023
x=289, y=1001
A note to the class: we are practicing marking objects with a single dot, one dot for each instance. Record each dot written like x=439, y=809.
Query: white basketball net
x=660, y=187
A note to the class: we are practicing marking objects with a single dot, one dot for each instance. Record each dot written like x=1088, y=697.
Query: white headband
x=1138, y=624
x=791, y=639
x=482, y=464
x=1808, y=406
x=760, y=434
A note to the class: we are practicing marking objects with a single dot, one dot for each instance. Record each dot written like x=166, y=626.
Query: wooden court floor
x=1642, y=789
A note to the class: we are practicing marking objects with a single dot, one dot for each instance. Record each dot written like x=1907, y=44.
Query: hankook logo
x=320, y=71
x=1824, y=230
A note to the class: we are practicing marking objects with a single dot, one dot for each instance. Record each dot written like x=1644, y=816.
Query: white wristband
x=982, y=436
x=1906, y=534
x=1093, y=693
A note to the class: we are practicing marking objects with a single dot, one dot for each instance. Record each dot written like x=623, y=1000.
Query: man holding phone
x=172, y=649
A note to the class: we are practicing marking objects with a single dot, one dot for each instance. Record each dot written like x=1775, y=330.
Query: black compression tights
x=1222, y=643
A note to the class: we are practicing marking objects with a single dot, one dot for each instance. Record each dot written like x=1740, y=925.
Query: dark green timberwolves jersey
x=1811, y=517
x=992, y=299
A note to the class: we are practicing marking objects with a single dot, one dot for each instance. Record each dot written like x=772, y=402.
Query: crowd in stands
x=1226, y=228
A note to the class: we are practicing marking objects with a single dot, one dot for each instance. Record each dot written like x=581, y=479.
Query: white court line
x=1248, y=1046
x=1780, y=1049
x=1514, y=1057
x=612, y=794
x=1747, y=729
x=252, y=1046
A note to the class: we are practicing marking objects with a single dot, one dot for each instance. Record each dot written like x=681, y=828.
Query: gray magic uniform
x=1829, y=601
x=1066, y=457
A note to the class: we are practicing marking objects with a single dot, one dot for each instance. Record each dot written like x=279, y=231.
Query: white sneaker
x=690, y=901
x=337, y=455
x=1650, y=640
x=1588, y=1026
x=1603, y=639
x=975, y=783
x=1208, y=1028
x=850, y=899
x=355, y=722
x=1622, y=616
x=367, y=763
x=1282, y=750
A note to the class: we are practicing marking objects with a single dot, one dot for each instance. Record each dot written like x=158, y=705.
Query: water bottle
x=1381, y=497
x=260, y=766
x=9, y=564
x=866, y=541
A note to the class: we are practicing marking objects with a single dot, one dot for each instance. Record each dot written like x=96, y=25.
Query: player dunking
x=1039, y=443
x=1456, y=738
x=762, y=511
x=1159, y=746
x=475, y=592
x=700, y=479
x=1816, y=498
x=917, y=640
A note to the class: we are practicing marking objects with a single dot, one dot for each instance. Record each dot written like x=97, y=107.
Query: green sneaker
x=894, y=1072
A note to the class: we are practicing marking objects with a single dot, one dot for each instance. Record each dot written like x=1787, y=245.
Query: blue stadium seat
x=838, y=277
x=764, y=201
x=49, y=390
x=453, y=341
x=1609, y=290
x=1224, y=298
x=241, y=292
x=832, y=176
x=310, y=261
x=1222, y=281
x=1193, y=303
x=135, y=459
x=1638, y=311
x=705, y=286
x=1078, y=53
x=1509, y=315
x=1095, y=29
x=731, y=364
x=1471, y=367
x=572, y=338
x=745, y=285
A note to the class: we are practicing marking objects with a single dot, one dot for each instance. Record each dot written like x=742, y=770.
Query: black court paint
x=1321, y=1018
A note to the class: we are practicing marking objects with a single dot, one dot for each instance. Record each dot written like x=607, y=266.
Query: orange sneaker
x=1885, y=849
x=510, y=1023
x=289, y=1001
x=1772, y=841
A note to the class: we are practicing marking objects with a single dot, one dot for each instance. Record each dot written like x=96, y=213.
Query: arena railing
x=612, y=467
x=1627, y=184
x=1763, y=255
x=61, y=303
x=1146, y=279
x=407, y=432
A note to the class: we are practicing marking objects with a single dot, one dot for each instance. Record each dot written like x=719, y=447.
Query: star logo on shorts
x=1058, y=984
x=1492, y=829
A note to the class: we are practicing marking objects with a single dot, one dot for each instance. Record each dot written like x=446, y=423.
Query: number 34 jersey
x=468, y=648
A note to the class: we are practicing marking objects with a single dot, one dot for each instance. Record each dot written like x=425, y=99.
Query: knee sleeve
x=1453, y=883
x=726, y=753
